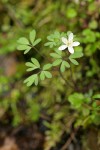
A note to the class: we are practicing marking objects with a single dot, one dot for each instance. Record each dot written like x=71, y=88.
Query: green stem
x=37, y=51
x=66, y=81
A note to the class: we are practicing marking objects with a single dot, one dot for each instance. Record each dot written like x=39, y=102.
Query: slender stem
x=65, y=80
x=72, y=76
x=71, y=73
x=38, y=52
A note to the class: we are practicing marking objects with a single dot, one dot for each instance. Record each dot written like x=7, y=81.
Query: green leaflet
x=48, y=74
x=36, y=42
x=58, y=52
x=29, y=64
x=23, y=41
x=57, y=62
x=62, y=68
x=50, y=44
x=64, y=65
x=26, y=51
x=31, y=69
x=45, y=74
x=23, y=47
x=32, y=36
x=42, y=75
x=55, y=55
x=36, y=80
x=72, y=57
x=35, y=62
x=47, y=66
x=76, y=55
x=74, y=61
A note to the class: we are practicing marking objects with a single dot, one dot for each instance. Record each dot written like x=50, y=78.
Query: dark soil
x=32, y=137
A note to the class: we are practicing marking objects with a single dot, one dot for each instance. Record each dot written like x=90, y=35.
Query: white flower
x=68, y=43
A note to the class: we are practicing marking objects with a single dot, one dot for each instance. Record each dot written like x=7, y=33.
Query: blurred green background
x=47, y=105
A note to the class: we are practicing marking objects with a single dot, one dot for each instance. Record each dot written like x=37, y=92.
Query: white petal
x=71, y=50
x=70, y=37
x=76, y=43
x=64, y=40
x=62, y=47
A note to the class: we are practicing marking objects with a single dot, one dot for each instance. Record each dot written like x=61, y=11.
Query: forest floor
x=32, y=137
x=21, y=138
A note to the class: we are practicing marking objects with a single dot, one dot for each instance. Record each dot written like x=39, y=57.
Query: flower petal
x=62, y=47
x=76, y=43
x=64, y=40
x=71, y=50
x=70, y=37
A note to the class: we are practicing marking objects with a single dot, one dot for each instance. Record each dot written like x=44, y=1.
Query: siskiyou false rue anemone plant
x=63, y=55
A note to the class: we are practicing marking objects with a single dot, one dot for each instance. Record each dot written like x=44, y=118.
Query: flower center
x=69, y=43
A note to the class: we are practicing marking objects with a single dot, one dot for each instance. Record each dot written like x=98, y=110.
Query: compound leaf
x=32, y=79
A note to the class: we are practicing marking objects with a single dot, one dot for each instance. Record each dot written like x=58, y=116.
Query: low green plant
x=62, y=58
